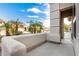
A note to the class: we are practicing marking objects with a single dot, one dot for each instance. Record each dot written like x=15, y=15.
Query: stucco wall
x=76, y=41
x=55, y=19
x=31, y=40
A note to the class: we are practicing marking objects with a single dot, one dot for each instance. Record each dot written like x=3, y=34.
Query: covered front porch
x=41, y=44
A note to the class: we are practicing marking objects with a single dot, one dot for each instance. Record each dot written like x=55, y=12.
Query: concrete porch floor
x=51, y=49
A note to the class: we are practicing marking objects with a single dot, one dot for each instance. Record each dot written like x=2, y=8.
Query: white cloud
x=33, y=16
x=47, y=11
x=46, y=23
x=35, y=10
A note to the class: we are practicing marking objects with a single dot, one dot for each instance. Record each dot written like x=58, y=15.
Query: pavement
x=51, y=49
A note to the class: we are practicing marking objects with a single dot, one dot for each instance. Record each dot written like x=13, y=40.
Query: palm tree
x=39, y=27
x=35, y=27
x=7, y=26
x=16, y=25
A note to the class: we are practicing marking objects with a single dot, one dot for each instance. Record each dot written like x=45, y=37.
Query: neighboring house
x=20, y=27
x=1, y=22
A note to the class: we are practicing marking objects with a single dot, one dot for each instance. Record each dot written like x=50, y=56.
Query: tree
x=15, y=25
x=11, y=27
x=7, y=26
x=66, y=27
x=35, y=27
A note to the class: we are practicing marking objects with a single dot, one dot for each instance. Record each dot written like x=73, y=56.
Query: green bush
x=66, y=27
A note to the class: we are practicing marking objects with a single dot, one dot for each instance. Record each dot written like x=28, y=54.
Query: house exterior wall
x=65, y=5
x=55, y=23
x=32, y=40
x=76, y=41
x=55, y=19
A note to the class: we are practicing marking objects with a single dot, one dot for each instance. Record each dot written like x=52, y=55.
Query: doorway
x=67, y=23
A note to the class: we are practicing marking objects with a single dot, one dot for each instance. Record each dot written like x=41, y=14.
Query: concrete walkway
x=51, y=49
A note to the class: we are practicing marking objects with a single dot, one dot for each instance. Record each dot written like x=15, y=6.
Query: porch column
x=54, y=22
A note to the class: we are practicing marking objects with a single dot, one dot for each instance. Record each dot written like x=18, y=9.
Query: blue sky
x=25, y=12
